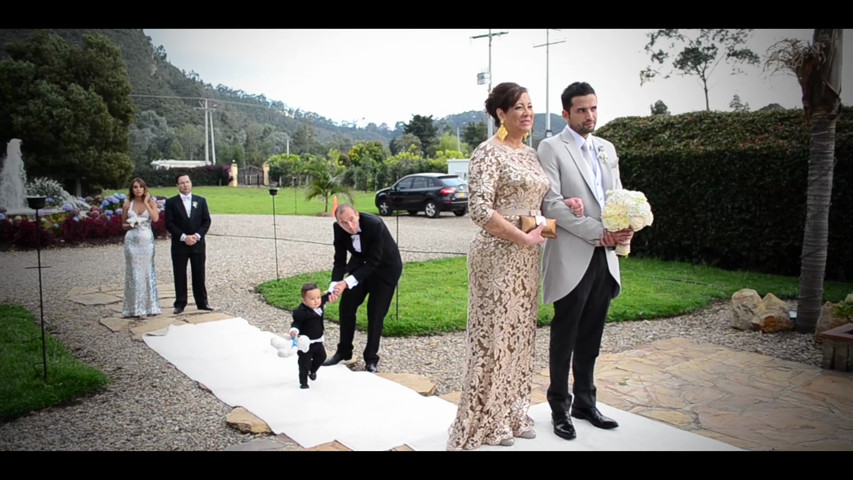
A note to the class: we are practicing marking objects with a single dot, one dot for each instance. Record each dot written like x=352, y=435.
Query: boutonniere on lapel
x=195, y=204
x=602, y=156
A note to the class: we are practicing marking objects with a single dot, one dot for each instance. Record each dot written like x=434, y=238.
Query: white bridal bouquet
x=623, y=209
x=136, y=221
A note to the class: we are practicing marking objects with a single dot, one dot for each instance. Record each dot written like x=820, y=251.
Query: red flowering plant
x=70, y=224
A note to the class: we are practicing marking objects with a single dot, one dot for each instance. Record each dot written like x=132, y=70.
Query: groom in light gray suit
x=580, y=270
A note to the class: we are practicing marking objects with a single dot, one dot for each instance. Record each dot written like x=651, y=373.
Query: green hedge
x=211, y=175
x=729, y=189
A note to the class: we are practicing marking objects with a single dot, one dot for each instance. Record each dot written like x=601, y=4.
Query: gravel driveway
x=150, y=405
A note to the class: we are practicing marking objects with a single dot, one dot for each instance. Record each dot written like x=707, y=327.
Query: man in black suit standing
x=187, y=220
x=372, y=272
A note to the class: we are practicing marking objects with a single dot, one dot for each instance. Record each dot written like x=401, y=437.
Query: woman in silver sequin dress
x=140, y=287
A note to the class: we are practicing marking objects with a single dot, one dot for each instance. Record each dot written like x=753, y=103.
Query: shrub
x=71, y=225
x=45, y=187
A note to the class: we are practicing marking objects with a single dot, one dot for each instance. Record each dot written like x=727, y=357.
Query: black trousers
x=379, y=295
x=576, y=333
x=310, y=361
x=196, y=260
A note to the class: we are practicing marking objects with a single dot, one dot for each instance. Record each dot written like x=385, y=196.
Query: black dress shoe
x=206, y=307
x=594, y=417
x=312, y=375
x=178, y=310
x=563, y=427
x=371, y=367
x=335, y=359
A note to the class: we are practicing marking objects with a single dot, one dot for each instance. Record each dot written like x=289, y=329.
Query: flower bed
x=71, y=225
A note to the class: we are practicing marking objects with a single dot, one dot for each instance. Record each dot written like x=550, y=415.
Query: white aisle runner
x=363, y=411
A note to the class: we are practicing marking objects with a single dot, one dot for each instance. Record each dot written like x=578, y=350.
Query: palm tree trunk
x=820, y=78
x=816, y=232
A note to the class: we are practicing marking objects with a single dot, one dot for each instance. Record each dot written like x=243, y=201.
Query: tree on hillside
x=817, y=67
x=404, y=142
x=304, y=139
x=697, y=52
x=192, y=138
x=71, y=107
x=737, y=106
x=450, y=142
x=659, y=108
x=475, y=133
x=149, y=138
x=423, y=128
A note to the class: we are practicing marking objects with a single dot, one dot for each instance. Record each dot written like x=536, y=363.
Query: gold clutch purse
x=528, y=223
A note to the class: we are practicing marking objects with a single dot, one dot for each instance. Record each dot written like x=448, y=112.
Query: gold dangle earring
x=502, y=133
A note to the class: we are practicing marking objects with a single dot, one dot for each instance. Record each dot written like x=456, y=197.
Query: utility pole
x=208, y=137
x=547, y=88
x=489, y=122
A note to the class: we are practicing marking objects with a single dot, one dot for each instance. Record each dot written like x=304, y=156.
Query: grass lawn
x=258, y=201
x=432, y=296
x=22, y=374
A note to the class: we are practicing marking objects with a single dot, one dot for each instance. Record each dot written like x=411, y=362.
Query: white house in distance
x=166, y=164
x=458, y=166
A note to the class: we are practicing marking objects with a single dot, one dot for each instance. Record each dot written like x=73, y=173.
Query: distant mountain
x=461, y=119
x=175, y=95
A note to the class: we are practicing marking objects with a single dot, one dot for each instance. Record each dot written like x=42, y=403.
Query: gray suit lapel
x=579, y=161
x=606, y=171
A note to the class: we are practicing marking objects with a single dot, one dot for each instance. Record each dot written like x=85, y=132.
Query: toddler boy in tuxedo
x=308, y=321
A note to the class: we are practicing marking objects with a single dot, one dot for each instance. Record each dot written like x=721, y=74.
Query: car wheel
x=413, y=212
x=384, y=208
x=431, y=209
x=460, y=213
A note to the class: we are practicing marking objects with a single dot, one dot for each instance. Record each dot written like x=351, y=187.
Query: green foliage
x=324, y=186
x=448, y=143
x=424, y=128
x=737, y=106
x=83, y=94
x=43, y=186
x=728, y=189
x=843, y=310
x=23, y=388
x=406, y=143
x=475, y=133
x=659, y=108
x=211, y=175
x=432, y=296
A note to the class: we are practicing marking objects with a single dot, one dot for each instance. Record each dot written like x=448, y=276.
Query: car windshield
x=451, y=181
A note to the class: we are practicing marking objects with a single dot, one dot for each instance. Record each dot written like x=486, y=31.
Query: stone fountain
x=13, y=181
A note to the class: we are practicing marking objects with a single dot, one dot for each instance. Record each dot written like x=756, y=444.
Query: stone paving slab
x=154, y=324
x=748, y=400
x=97, y=298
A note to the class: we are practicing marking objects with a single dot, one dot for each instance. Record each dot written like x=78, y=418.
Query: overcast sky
x=386, y=76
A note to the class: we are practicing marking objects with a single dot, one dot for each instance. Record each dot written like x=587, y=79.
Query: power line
x=205, y=98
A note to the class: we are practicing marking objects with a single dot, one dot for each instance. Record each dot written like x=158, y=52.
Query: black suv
x=431, y=193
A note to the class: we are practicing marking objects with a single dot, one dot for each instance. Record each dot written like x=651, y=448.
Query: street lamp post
x=37, y=203
x=273, y=193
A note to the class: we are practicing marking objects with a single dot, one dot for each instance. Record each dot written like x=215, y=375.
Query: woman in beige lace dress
x=504, y=180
